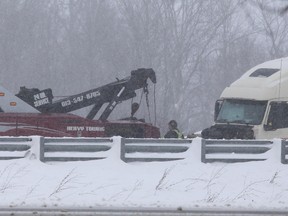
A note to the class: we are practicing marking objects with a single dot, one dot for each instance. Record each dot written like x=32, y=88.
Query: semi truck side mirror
x=217, y=108
x=268, y=127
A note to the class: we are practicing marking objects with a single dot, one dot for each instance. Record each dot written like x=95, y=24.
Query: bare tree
x=175, y=37
x=264, y=16
x=195, y=49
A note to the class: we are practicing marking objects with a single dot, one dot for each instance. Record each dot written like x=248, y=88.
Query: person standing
x=173, y=132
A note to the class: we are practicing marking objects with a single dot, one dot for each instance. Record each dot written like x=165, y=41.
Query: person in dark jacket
x=173, y=131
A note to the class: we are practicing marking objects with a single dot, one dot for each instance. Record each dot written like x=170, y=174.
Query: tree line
x=196, y=48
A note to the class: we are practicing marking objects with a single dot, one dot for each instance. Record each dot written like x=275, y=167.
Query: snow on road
x=110, y=182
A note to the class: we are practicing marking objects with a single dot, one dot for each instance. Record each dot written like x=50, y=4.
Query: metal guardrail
x=231, y=151
x=73, y=149
x=148, y=150
x=136, y=150
x=14, y=147
x=284, y=151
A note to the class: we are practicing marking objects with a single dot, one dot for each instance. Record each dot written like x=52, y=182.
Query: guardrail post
x=41, y=149
x=203, y=151
x=122, y=149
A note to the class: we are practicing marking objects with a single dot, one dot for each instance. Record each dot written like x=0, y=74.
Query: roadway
x=135, y=212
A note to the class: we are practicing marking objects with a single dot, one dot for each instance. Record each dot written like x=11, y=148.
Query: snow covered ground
x=110, y=182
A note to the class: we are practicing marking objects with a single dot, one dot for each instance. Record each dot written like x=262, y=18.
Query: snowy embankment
x=110, y=182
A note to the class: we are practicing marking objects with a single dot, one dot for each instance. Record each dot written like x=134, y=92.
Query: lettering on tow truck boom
x=40, y=99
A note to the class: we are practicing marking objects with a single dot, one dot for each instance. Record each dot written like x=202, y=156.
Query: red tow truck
x=34, y=112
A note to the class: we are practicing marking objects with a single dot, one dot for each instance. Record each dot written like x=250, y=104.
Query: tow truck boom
x=112, y=93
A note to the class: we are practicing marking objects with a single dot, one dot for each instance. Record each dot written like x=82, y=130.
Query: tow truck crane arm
x=112, y=93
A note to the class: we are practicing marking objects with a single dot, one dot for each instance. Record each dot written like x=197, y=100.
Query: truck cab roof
x=266, y=81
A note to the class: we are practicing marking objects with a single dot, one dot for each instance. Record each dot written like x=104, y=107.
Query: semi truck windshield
x=241, y=111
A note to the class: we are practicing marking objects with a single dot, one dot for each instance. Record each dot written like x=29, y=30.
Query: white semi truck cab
x=255, y=106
